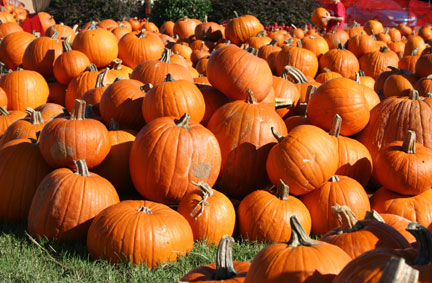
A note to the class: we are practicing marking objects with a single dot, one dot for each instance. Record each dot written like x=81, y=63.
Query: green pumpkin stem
x=66, y=46
x=397, y=271
x=92, y=68
x=414, y=52
x=336, y=125
x=274, y=42
x=183, y=121
x=298, y=235
x=114, y=125
x=282, y=190
x=201, y=205
x=374, y=215
x=3, y=111
x=424, y=242
x=409, y=142
x=250, y=97
x=169, y=78
x=347, y=219
x=262, y=33
x=384, y=49
x=224, y=263
x=55, y=33
x=166, y=55
x=79, y=110
x=145, y=209
x=361, y=73
x=81, y=168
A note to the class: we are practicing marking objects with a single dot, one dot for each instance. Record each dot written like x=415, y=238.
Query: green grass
x=22, y=260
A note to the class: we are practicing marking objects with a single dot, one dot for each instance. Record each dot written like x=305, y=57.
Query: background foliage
x=172, y=10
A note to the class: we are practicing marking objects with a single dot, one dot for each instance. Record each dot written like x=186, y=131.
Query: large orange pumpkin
x=27, y=128
x=12, y=48
x=374, y=63
x=239, y=29
x=341, y=61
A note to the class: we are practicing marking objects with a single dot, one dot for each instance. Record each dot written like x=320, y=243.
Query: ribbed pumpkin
x=64, y=140
x=155, y=71
x=239, y=29
x=64, y=32
x=223, y=270
x=173, y=98
x=265, y=217
x=305, y=159
x=336, y=37
x=398, y=222
x=9, y=117
x=315, y=43
x=134, y=223
x=213, y=99
x=122, y=102
x=327, y=75
x=374, y=63
x=24, y=88
x=57, y=93
x=287, y=90
x=244, y=153
x=424, y=86
x=21, y=170
x=414, y=42
x=100, y=46
x=93, y=96
x=315, y=261
x=8, y=28
x=27, y=128
x=305, y=60
x=135, y=48
x=210, y=214
x=232, y=70
x=80, y=84
x=50, y=111
x=185, y=27
x=69, y=64
x=66, y=202
x=423, y=65
x=341, y=61
x=41, y=54
x=331, y=98
x=12, y=48
x=373, y=27
x=209, y=31
x=356, y=237
x=164, y=175
x=318, y=17
x=340, y=190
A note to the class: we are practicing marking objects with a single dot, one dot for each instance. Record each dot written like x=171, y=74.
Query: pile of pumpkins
x=223, y=131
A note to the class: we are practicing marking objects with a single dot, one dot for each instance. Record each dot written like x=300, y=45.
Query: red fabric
x=338, y=11
x=33, y=23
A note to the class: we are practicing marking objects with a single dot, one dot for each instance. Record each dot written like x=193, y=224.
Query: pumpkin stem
x=262, y=33
x=341, y=46
x=276, y=134
x=429, y=94
x=414, y=95
x=282, y=190
x=224, y=263
x=66, y=46
x=414, y=52
x=166, y=55
x=142, y=34
x=251, y=50
x=357, y=78
x=75, y=27
x=236, y=14
x=336, y=125
x=347, y=219
x=283, y=102
x=169, y=78
x=79, y=110
x=397, y=271
x=81, y=167
x=183, y=121
x=101, y=78
x=374, y=215
x=36, y=117
x=424, y=242
x=327, y=70
x=409, y=142
x=274, y=41
x=298, y=235
x=200, y=207
x=299, y=44
x=144, y=209
x=293, y=26
x=92, y=68
x=3, y=111
x=55, y=33
x=116, y=64
x=114, y=125
x=298, y=76
x=384, y=49
x=250, y=97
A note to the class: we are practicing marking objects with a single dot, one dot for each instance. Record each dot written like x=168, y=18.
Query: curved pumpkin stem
x=3, y=111
x=409, y=142
x=36, y=118
x=414, y=95
x=283, y=102
x=341, y=46
x=250, y=97
x=276, y=134
x=92, y=68
x=298, y=76
x=346, y=217
x=55, y=33
x=384, y=49
x=145, y=209
x=397, y=271
x=200, y=207
x=66, y=46
x=146, y=87
x=224, y=263
x=298, y=235
x=374, y=215
x=169, y=78
x=274, y=41
x=79, y=110
x=82, y=168
x=101, y=78
x=336, y=125
x=424, y=242
x=166, y=55
x=183, y=121
x=116, y=64
x=282, y=190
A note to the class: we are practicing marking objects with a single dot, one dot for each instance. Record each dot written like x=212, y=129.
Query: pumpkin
x=213, y=99
x=50, y=213
x=367, y=81
x=373, y=27
x=64, y=32
x=244, y=154
x=8, y=28
x=318, y=17
x=356, y=237
x=414, y=42
x=89, y=43
x=166, y=28
x=269, y=52
x=398, y=85
x=9, y=117
x=404, y=29
x=423, y=65
x=416, y=208
x=233, y=77
x=93, y=96
x=426, y=32
x=155, y=71
x=135, y=48
x=46, y=20
x=269, y=265
x=41, y=54
x=301, y=118
x=27, y=128
x=327, y=75
x=19, y=158
x=57, y=93
x=80, y=84
x=264, y=217
x=374, y=63
x=223, y=270
x=183, y=49
x=361, y=44
x=304, y=170
x=424, y=86
x=286, y=90
x=3, y=98
x=66, y=139
x=305, y=60
x=50, y=111
x=409, y=61
x=315, y=43
x=69, y=64
x=240, y=29
x=341, y=61
x=210, y=214
x=24, y=88
x=398, y=222
x=336, y=37
x=259, y=40
x=330, y=99
x=122, y=101
x=120, y=31
x=133, y=222
x=209, y=31
x=12, y=48
x=197, y=158
x=184, y=27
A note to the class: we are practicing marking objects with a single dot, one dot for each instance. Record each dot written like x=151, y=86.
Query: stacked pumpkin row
x=246, y=145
